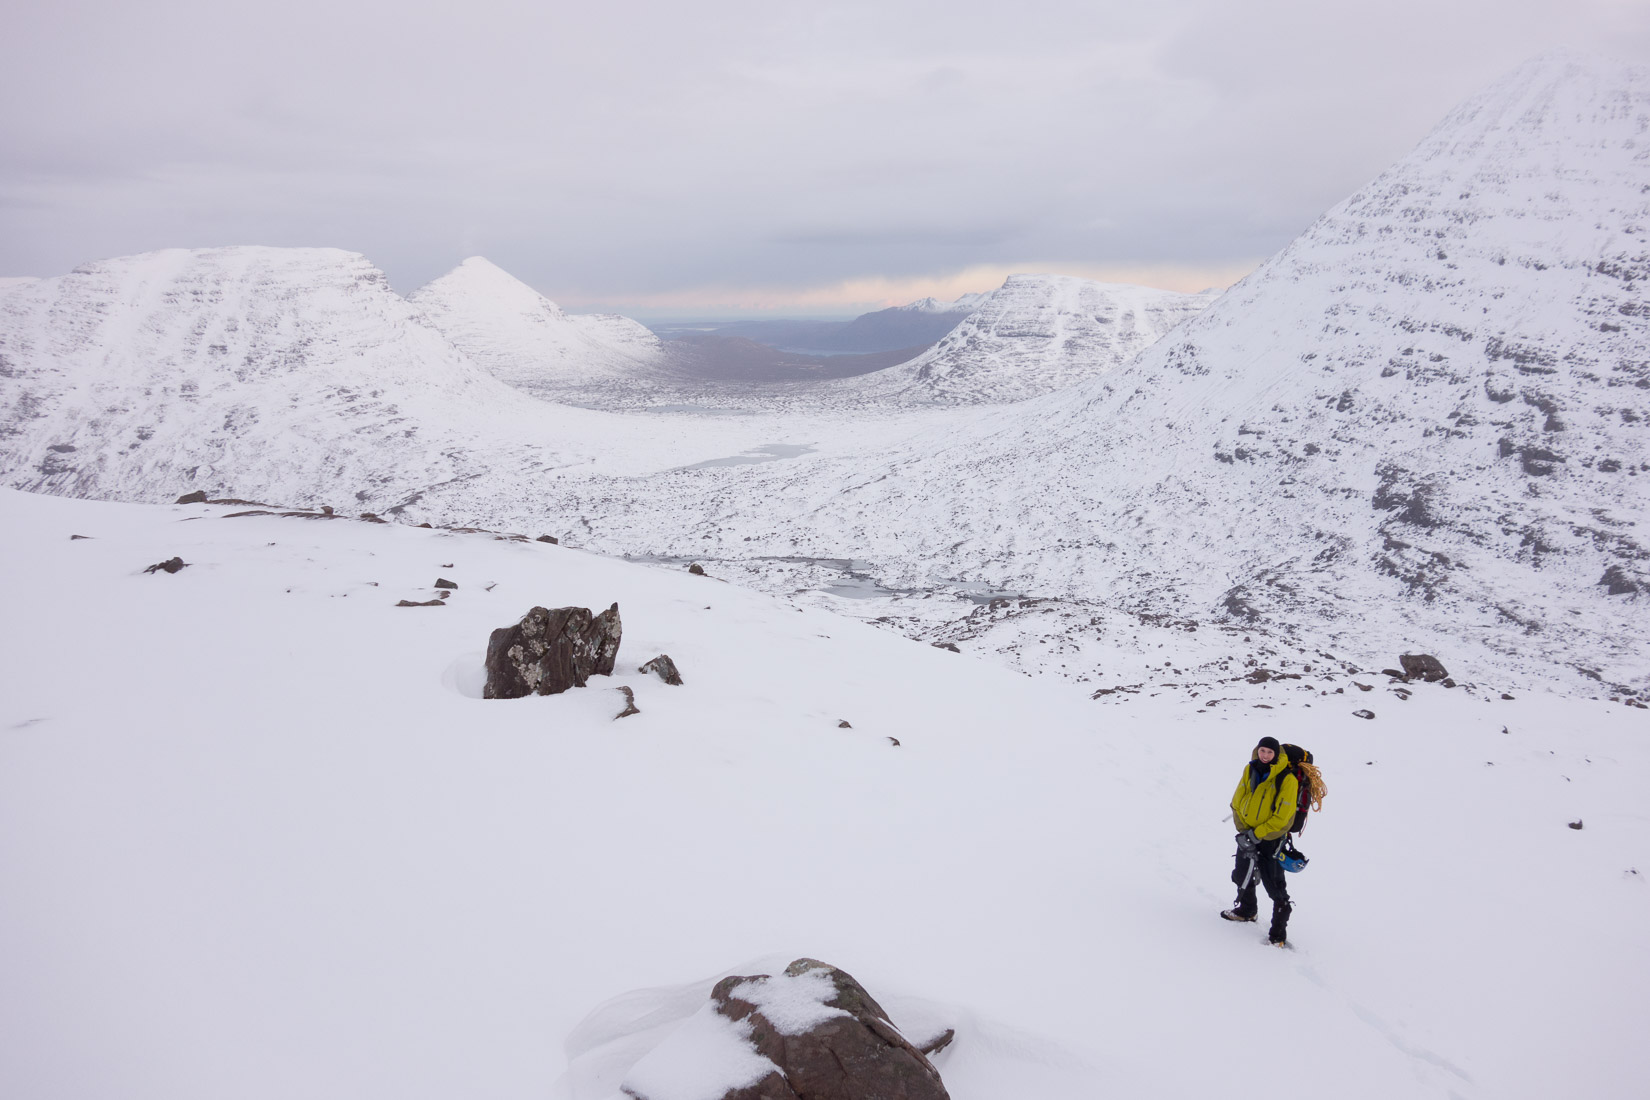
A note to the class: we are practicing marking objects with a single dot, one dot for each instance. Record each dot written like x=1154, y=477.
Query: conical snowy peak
x=1033, y=335
x=525, y=339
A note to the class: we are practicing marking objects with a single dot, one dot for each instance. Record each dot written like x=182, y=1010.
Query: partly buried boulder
x=810, y=1033
x=1423, y=666
x=551, y=650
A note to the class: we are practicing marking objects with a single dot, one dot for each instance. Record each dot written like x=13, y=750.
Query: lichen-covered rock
x=810, y=1033
x=1422, y=666
x=551, y=650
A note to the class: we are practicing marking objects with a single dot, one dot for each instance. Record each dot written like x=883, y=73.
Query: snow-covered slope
x=261, y=838
x=294, y=371
x=525, y=339
x=1422, y=424
x=1033, y=335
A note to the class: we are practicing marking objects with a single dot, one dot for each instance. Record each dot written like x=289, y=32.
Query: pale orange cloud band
x=880, y=292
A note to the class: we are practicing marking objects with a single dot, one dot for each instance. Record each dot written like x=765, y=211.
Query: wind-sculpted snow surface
x=1033, y=335
x=526, y=340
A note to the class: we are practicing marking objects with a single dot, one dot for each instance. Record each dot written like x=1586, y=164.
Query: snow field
x=261, y=839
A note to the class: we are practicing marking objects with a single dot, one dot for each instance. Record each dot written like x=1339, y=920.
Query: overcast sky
x=723, y=156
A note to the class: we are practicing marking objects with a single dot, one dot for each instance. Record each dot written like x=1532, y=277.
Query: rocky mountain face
x=528, y=341
x=1425, y=419
x=290, y=373
x=1033, y=335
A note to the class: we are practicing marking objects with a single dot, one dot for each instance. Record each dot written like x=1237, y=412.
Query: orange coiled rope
x=1315, y=788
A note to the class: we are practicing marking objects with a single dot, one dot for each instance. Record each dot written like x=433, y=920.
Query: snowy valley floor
x=260, y=837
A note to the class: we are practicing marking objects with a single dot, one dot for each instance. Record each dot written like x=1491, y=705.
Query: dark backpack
x=1309, y=784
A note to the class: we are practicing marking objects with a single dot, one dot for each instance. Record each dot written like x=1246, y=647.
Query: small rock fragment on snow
x=196, y=497
x=842, y=724
x=443, y=582
x=664, y=668
x=1363, y=687
x=1366, y=713
x=551, y=539
x=170, y=565
x=1504, y=695
x=894, y=741
x=630, y=706
x=697, y=570
x=416, y=603
x=1576, y=824
x=73, y=537
x=952, y=646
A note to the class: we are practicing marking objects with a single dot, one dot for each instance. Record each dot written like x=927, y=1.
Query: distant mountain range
x=915, y=325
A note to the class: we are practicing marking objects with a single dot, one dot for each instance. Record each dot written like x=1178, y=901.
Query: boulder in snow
x=1422, y=666
x=664, y=668
x=170, y=565
x=809, y=1033
x=551, y=650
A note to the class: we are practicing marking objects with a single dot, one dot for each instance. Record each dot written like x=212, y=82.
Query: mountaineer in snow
x=1263, y=809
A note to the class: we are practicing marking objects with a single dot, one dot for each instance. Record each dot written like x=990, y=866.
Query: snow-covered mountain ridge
x=1033, y=335
x=1421, y=426
x=1425, y=420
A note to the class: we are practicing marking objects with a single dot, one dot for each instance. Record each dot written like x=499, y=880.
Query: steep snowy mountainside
x=1421, y=424
x=1033, y=335
x=295, y=376
x=525, y=339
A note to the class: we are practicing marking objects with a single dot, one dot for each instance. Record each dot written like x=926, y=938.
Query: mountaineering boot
x=1279, y=933
x=1233, y=914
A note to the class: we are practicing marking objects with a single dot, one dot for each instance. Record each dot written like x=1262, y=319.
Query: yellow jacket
x=1268, y=809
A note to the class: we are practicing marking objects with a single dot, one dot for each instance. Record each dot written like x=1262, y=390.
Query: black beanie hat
x=1268, y=743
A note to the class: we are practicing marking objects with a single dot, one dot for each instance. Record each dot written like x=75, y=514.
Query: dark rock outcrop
x=664, y=668
x=1422, y=666
x=841, y=1046
x=170, y=565
x=551, y=539
x=696, y=569
x=196, y=497
x=551, y=650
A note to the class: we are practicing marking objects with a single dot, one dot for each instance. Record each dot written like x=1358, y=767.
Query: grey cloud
x=737, y=143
